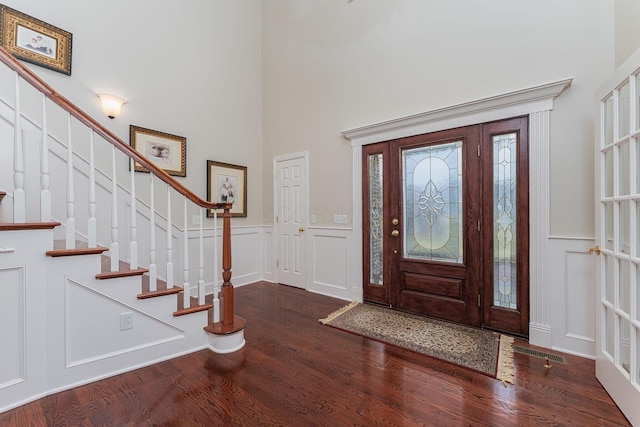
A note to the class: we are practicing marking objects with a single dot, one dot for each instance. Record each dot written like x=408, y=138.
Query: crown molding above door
x=510, y=104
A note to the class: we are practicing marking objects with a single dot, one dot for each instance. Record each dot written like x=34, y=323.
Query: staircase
x=86, y=297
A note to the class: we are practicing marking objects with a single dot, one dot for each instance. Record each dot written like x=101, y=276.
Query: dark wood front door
x=445, y=225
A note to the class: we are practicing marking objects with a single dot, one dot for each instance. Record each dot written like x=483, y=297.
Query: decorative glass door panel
x=375, y=243
x=432, y=215
x=376, y=193
x=505, y=220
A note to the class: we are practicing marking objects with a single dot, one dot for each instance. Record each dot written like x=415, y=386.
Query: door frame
x=276, y=240
x=535, y=101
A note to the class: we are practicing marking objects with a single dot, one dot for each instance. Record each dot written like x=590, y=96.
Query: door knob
x=596, y=250
x=301, y=229
x=395, y=221
x=395, y=233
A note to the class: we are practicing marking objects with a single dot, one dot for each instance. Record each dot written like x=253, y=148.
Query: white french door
x=290, y=193
x=618, y=238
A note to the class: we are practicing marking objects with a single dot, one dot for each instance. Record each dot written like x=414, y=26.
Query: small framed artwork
x=227, y=184
x=35, y=41
x=166, y=151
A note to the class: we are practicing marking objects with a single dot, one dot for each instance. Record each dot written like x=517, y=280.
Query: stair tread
x=159, y=293
x=219, y=329
x=76, y=251
x=121, y=273
x=161, y=286
x=7, y=226
x=192, y=309
x=194, y=306
x=125, y=270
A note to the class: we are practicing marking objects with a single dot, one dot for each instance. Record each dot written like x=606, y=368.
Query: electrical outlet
x=195, y=220
x=126, y=321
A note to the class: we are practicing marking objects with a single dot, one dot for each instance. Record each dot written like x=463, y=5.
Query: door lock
x=395, y=221
x=301, y=229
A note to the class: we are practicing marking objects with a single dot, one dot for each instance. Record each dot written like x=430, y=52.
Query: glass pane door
x=618, y=239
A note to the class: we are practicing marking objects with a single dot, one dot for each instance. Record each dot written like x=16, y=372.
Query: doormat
x=482, y=351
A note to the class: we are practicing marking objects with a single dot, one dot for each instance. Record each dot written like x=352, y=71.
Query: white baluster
x=133, y=238
x=45, y=194
x=216, y=284
x=71, y=221
x=201, y=262
x=115, y=248
x=92, y=226
x=186, y=294
x=153, y=273
x=19, y=198
x=169, y=241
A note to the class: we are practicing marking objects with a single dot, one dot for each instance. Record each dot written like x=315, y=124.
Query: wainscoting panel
x=92, y=326
x=571, y=283
x=246, y=256
x=13, y=330
x=268, y=262
x=331, y=262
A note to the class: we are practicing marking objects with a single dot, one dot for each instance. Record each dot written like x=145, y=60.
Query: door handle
x=395, y=233
x=301, y=229
x=596, y=250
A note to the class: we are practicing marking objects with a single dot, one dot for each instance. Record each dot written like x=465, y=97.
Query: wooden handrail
x=31, y=78
x=230, y=323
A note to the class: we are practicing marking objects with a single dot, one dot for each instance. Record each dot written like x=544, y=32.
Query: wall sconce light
x=111, y=105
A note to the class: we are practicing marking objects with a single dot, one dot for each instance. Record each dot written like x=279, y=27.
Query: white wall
x=627, y=36
x=189, y=68
x=335, y=65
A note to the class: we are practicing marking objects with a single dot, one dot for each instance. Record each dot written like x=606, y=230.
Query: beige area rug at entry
x=482, y=351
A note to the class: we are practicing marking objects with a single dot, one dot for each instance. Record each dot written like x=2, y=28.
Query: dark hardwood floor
x=296, y=372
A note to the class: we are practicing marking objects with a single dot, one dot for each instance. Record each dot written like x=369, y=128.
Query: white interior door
x=618, y=238
x=290, y=194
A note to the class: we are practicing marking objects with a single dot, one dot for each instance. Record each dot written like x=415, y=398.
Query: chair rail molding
x=536, y=102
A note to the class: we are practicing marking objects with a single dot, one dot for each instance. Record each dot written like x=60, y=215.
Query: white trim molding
x=535, y=101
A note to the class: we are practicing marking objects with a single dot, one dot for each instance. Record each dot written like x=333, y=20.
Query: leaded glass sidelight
x=504, y=220
x=432, y=194
x=375, y=220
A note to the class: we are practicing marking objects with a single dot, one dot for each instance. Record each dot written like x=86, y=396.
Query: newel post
x=227, y=335
x=227, y=287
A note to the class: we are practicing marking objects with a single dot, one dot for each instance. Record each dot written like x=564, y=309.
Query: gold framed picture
x=35, y=41
x=227, y=183
x=166, y=151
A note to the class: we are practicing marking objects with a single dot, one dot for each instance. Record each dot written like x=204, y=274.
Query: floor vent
x=540, y=354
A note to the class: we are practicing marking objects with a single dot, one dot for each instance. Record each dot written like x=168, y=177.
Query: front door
x=446, y=225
